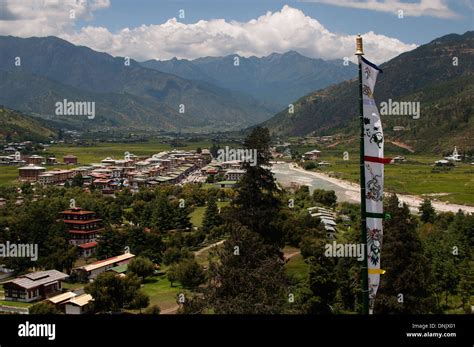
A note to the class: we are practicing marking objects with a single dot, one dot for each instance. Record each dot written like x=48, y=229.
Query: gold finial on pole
x=359, y=47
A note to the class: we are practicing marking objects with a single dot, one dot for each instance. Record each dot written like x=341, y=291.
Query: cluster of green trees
x=113, y=293
x=152, y=223
x=428, y=262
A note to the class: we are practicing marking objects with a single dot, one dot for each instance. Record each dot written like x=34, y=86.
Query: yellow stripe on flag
x=376, y=272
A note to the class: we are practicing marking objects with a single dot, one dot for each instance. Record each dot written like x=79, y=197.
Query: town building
x=83, y=227
x=399, y=159
x=70, y=159
x=51, y=161
x=327, y=218
x=91, y=271
x=234, y=175
x=108, y=161
x=60, y=300
x=35, y=159
x=323, y=164
x=9, y=150
x=312, y=155
x=30, y=172
x=34, y=286
x=79, y=304
x=444, y=162
x=55, y=177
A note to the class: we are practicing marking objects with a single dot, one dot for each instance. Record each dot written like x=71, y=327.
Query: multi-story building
x=70, y=159
x=30, y=172
x=35, y=159
x=234, y=175
x=55, y=176
x=84, y=228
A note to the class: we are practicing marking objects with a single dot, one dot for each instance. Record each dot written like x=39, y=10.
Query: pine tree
x=428, y=213
x=249, y=277
x=211, y=215
x=77, y=180
x=214, y=149
x=110, y=244
x=323, y=285
x=257, y=205
x=404, y=286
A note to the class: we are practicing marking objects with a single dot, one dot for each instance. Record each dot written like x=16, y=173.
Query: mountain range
x=277, y=79
x=38, y=72
x=125, y=95
x=218, y=95
x=439, y=75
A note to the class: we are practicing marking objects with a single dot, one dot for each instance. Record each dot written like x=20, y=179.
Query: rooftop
x=39, y=278
x=88, y=245
x=61, y=297
x=106, y=262
x=77, y=210
x=32, y=167
x=120, y=269
x=81, y=300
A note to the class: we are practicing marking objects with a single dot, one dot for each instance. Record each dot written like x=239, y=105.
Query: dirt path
x=171, y=310
x=403, y=145
x=288, y=256
x=197, y=253
x=174, y=309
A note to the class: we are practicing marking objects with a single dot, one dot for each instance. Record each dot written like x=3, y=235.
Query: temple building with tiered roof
x=83, y=228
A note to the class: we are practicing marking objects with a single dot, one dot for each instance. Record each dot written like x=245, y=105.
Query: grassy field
x=8, y=175
x=198, y=214
x=72, y=286
x=96, y=153
x=15, y=303
x=297, y=268
x=159, y=289
x=416, y=176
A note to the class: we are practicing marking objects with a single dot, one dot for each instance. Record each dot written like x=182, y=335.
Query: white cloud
x=26, y=18
x=433, y=8
x=281, y=31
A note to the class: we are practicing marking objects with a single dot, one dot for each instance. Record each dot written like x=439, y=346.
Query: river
x=285, y=174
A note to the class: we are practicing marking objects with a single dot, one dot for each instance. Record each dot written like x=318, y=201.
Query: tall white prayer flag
x=374, y=174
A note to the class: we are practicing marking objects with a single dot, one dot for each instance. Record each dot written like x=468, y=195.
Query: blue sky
x=419, y=30
x=147, y=29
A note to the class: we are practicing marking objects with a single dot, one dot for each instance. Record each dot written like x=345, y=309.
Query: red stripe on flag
x=378, y=160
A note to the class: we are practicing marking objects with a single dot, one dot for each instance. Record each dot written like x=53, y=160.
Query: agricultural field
x=416, y=176
x=8, y=175
x=97, y=152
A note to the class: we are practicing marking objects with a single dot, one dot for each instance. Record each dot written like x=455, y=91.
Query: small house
x=34, y=286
